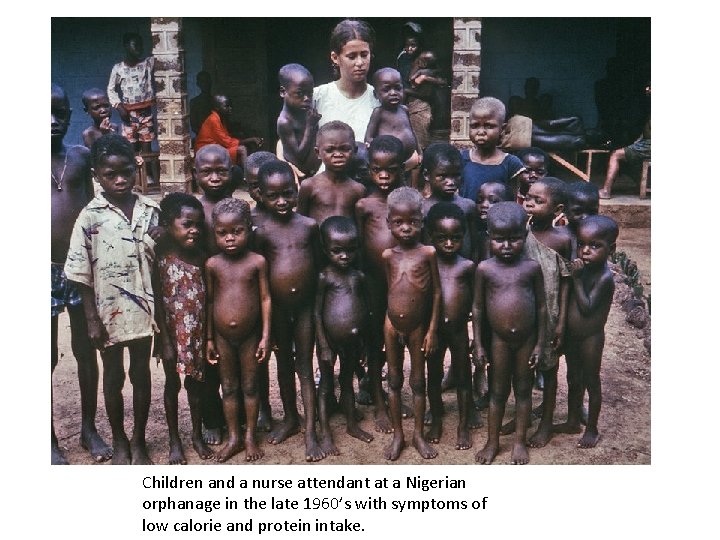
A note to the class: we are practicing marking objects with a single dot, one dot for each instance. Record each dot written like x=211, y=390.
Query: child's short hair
x=489, y=104
x=506, y=192
x=584, y=190
x=349, y=30
x=111, y=144
x=382, y=71
x=172, y=204
x=336, y=125
x=212, y=149
x=258, y=159
x=337, y=224
x=285, y=73
x=506, y=215
x=405, y=195
x=556, y=189
x=90, y=94
x=604, y=225
x=274, y=167
x=129, y=36
x=386, y=144
x=445, y=210
x=533, y=151
x=231, y=205
x=438, y=153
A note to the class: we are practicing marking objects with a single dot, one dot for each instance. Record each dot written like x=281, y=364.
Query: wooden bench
x=644, y=179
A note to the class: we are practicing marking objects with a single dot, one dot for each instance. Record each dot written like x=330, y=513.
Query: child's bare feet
x=139, y=453
x=567, y=427
x=356, y=432
x=264, y=422
x=407, y=411
x=589, y=439
x=202, y=450
x=464, y=441
x=287, y=428
x=487, y=454
x=56, y=455
x=91, y=441
x=474, y=419
x=212, y=436
x=392, y=450
x=177, y=455
x=519, y=454
x=328, y=446
x=508, y=428
x=382, y=421
x=541, y=437
x=231, y=447
x=483, y=402
x=121, y=452
x=313, y=451
x=421, y=445
x=252, y=450
x=435, y=432
x=363, y=397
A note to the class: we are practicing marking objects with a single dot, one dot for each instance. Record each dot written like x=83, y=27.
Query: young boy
x=70, y=190
x=238, y=323
x=131, y=91
x=509, y=291
x=371, y=212
x=446, y=224
x=490, y=193
x=341, y=313
x=297, y=124
x=110, y=258
x=391, y=118
x=413, y=313
x=485, y=162
x=591, y=296
x=289, y=242
x=583, y=200
x=332, y=192
x=535, y=165
x=97, y=105
x=441, y=166
x=252, y=167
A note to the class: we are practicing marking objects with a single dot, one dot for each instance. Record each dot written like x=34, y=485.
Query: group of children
x=354, y=263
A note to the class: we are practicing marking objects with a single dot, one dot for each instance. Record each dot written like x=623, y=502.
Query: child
x=180, y=299
x=391, y=118
x=485, y=161
x=509, y=292
x=252, y=167
x=490, y=193
x=413, y=314
x=332, y=192
x=341, y=311
x=289, y=241
x=238, y=321
x=441, y=167
x=549, y=246
x=97, y=105
x=447, y=224
x=591, y=296
x=131, y=91
x=297, y=124
x=583, y=200
x=535, y=165
x=371, y=212
x=70, y=190
x=110, y=258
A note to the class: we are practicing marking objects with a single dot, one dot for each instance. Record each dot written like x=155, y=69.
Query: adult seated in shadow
x=201, y=105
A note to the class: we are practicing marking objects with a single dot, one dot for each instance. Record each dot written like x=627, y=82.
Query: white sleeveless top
x=332, y=105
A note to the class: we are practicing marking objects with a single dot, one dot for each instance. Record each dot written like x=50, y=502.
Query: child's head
x=278, y=191
x=446, y=223
x=351, y=45
x=546, y=199
x=232, y=225
x=583, y=200
x=536, y=162
x=296, y=86
x=507, y=230
x=340, y=241
x=96, y=104
x=252, y=167
x=335, y=145
x=203, y=81
x=442, y=167
x=405, y=214
x=388, y=87
x=184, y=219
x=491, y=193
x=360, y=165
x=412, y=38
x=411, y=45
x=213, y=171
x=113, y=165
x=386, y=162
x=60, y=112
x=133, y=44
x=487, y=122
x=596, y=237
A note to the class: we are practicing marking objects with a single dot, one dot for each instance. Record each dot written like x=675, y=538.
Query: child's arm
x=211, y=352
x=96, y=329
x=296, y=151
x=324, y=353
x=540, y=314
x=373, y=125
x=263, y=350
x=169, y=352
x=304, y=197
x=557, y=341
x=599, y=293
x=430, y=341
x=472, y=222
x=478, y=307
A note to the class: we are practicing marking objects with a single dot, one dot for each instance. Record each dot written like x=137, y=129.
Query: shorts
x=62, y=292
x=638, y=151
x=141, y=127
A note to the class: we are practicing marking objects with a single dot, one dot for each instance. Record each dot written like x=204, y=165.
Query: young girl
x=180, y=304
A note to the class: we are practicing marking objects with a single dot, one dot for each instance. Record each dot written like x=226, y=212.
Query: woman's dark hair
x=349, y=29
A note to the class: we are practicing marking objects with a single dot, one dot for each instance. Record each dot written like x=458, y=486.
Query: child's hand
x=97, y=333
x=429, y=345
x=313, y=117
x=212, y=355
x=576, y=267
x=106, y=126
x=124, y=115
x=262, y=351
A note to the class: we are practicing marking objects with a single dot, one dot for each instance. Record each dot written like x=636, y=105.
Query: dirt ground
x=624, y=419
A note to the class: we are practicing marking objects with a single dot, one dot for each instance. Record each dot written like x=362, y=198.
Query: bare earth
x=624, y=419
